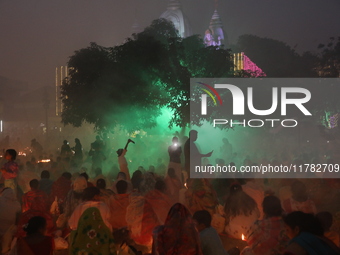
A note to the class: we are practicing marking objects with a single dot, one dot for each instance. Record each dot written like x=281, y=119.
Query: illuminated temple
x=213, y=36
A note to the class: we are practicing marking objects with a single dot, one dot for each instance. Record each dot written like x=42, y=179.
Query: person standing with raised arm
x=123, y=165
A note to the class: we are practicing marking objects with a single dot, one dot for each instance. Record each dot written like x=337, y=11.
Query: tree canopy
x=128, y=84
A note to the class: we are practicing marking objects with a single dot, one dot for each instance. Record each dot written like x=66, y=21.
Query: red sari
x=160, y=204
x=45, y=247
x=29, y=197
x=141, y=220
x=26, y=216
x=173, y=187
x=118, y=205
x=60, y=189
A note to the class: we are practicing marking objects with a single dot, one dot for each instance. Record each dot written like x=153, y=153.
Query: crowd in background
x=66, y=204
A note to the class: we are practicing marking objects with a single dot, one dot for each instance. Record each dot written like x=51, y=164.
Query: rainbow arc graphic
x=211, y=94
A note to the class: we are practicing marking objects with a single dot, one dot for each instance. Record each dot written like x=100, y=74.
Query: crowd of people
x=64, y=206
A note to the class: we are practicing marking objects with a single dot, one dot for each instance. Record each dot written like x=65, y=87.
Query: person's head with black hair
x=326, y=220
x=137, y=174
x=202, y=219
x=160, y=186
x=136, y=179
x=67, y=175
x=101, y=184
x=65, y=142
x=34, y=184
x=272, y=206
x=121, y=187
x=297, y=222
x=36, y=225
x=85, y=175
x=10, y=154
x=91, y=194
x=45, y=174
x=171, y=172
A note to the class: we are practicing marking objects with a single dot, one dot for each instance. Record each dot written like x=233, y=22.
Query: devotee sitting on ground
x=118, y=204
x=105, y=193
x=299, y=200
x=137, y=178
x=211, y=243
x=173, y=185
x=268, y=237
x=74, y=197
x=200, y=196
x=121, y=176
x=141, y=219
x=326, y=220
x=9, y=211
x=99, y=175
x=306, y=235
x=45, y=184
x=28, y=197
x=86, y=176
x=35, y=242
x=255, y=191
x=32, y=212
x=159, y=201
x=241, y=212
x=10, y=170
x=60, y=189
x=178, y=235
x=91, y=198
x=92, y=236
x=148, y=183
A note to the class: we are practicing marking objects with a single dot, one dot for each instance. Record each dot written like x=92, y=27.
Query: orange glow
x=243, y=237
x=44, y=161
x=185, y=185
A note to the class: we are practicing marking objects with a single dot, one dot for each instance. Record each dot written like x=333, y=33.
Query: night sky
x=38, y=35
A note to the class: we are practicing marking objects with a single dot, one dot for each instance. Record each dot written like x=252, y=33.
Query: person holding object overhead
x=123, y=165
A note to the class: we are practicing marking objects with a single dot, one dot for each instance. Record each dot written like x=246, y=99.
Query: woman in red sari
x=178, y=235
x=36, y=243
x=34, y=212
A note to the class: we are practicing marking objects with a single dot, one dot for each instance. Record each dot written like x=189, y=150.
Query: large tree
x=128, y=84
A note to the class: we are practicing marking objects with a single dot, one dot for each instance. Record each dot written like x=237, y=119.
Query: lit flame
x=243, y=237
x=21, y=153
x=185, y=185
x=44, y=161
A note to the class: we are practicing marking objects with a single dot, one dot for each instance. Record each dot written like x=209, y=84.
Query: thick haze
x=38, y=35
